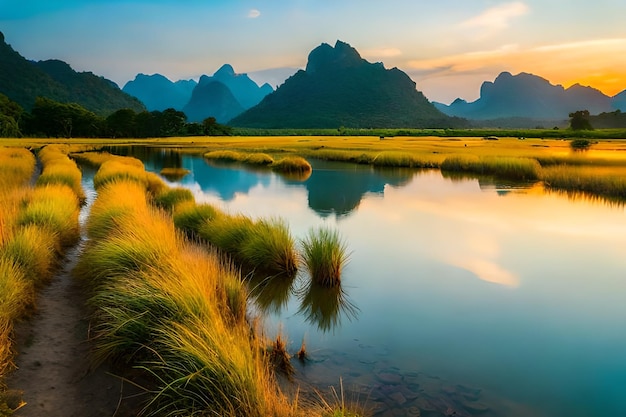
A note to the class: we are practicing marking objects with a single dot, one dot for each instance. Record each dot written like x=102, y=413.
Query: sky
x=448, y=47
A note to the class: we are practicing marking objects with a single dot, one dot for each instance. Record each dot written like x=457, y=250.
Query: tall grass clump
x=270, y=246
x=17, y=166
x=174, y=174
x=585, y=180
x=251, y=158
x=263, y=246
x=523, y=169
x=169, y=198
x=177, y=312
x=58, y=168
x=397, y=159
x=324, y=254
x=56, y=208
x=292, y=164
x=189, y=216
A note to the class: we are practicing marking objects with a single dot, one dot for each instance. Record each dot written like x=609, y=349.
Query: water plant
x=324, y=255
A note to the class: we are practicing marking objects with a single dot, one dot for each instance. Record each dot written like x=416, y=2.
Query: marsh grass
x=324, y=254
x=324, y=306
x=270, y=246
x=58, y=168
x=263, y=246
x=174, y=174
x=292, y=164
x=177, y=312
x=591, y=181
x=513, y=168
x=169, y=198
x=33, y=249
x=396, y=159
x=339, y=406
x=189, y=216
x=56, y=208
x=250, y=158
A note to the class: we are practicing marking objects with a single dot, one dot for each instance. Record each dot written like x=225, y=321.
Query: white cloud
x=254, y=13
x=497, y=18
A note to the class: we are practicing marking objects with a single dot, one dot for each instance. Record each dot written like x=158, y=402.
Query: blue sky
x=448, y=47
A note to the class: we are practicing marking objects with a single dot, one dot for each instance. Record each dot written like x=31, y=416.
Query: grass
x=174, y=174
x=177, y=312
x=169, y=198
x=523, y=169
x=254, y=158
x=262, y=246
x=587, y=180
x=292, y=165
x=189, y=216
x=56, y=208
x=324, y=254
x=58, y=168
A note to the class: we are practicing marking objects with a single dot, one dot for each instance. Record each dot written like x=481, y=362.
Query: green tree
x=172, y=122
x=210, y=127
x=122, y=124
x=53, y=119
x=579, y=120
x=10, y=114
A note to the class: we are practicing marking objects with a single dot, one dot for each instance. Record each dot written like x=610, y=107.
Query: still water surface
x=466, y=296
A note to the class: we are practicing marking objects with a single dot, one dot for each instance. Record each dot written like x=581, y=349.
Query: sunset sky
x=448, y=47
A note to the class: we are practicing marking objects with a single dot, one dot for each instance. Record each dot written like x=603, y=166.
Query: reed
x=225, y=155
x=324, y=254
x=17, y=166
x=169, y=198
x=228, y=233
x=258, y=158
x=357, y=157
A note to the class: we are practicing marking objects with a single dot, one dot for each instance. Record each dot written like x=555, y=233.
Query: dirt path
x=53, y=356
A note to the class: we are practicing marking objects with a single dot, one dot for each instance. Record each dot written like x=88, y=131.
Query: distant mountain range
x=339, y=88
x=223, y=95
x=527, y=96
x=22, y=81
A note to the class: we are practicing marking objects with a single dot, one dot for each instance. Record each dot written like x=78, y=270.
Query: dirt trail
x=53, y=356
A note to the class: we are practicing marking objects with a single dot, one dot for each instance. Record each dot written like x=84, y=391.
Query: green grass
x=34, y=249
x=189, y=216
x=270, y=247
x=169, y=198
x=324, y=254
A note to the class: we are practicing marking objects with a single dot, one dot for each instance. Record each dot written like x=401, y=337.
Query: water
x=468, y=297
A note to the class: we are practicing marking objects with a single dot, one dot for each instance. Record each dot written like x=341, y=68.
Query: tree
x=172, y=122
x=579, y=120
x=10, y=114
x=210, y=127
x=54, y=119
x=122, y=124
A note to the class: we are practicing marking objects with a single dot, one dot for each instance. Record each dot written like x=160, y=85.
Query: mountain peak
x=225, y=70
x=325, y=56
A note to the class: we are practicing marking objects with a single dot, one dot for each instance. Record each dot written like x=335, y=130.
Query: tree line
x=50, y=118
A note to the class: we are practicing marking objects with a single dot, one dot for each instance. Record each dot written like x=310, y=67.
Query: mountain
x=22, y=81
x=246, y=91
x=619, y=101
x=212, y=99
x=528, y=96
x=339, y=88
x=157, y=92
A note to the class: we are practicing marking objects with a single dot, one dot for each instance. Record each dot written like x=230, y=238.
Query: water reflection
x=325, y=307
x=338, y=188
x=271, y=293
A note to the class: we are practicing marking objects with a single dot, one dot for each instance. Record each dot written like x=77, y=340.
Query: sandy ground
x=53, y=358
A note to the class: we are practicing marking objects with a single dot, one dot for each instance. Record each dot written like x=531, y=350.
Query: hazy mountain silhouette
x=528, y=96
x=159, y=93
x=22, y=81
x=618, y=102
x=212, y=98
x=339, y=88
x=209, y=99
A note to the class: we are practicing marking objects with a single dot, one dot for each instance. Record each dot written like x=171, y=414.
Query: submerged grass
x=324, y=254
